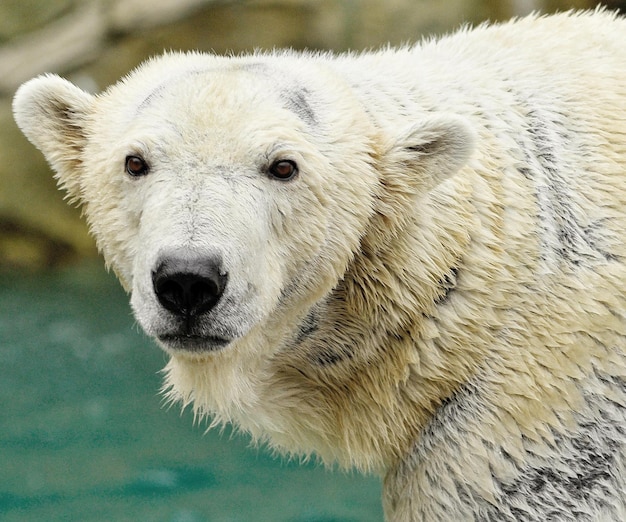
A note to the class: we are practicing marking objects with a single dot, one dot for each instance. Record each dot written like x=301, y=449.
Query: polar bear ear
x=51, y=112
x=430, y=151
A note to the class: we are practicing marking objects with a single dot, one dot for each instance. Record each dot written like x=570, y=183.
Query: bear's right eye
x=283, y=170
x=136, y=166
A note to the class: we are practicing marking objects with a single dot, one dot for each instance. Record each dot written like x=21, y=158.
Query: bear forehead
x=241, y=88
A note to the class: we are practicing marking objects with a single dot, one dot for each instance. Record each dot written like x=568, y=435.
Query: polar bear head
x=225, y=192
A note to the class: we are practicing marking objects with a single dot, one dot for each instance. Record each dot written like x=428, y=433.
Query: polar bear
x=409, y=262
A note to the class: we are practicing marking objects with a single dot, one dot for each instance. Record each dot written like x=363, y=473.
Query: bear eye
x=136, y=166
x=283, y=170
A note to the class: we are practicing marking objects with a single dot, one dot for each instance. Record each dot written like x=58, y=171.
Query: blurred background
x=83, y=435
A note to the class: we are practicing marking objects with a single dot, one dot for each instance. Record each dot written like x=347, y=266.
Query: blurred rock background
x=94, y=42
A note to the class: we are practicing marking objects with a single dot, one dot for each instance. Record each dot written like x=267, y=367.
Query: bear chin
x=192, y=343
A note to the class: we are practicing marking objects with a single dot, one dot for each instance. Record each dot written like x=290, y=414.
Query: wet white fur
x=456, y=234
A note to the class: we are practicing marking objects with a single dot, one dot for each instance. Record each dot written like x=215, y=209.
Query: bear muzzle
x=189, y=286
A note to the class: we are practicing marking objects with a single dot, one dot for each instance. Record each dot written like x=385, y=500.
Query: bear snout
x=189, y=285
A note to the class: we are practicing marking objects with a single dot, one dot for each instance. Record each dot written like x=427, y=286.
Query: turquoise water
x=84, y=435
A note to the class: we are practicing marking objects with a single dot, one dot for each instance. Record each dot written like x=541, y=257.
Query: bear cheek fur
x=323, y=226
x=112, y=208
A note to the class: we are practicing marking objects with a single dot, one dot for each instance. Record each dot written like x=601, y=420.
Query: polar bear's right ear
x=430, y=151
x=416, y=162
x=51, y=112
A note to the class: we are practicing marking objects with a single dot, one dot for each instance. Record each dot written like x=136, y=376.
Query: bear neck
x=367, y=365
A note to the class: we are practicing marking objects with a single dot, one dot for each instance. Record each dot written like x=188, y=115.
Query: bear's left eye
x=283, y=170
x=136, y=166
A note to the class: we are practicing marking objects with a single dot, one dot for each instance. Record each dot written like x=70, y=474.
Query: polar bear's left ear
x=430, y=151
x=52, y=112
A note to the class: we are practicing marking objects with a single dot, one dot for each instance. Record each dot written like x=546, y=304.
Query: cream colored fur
x=439, y=296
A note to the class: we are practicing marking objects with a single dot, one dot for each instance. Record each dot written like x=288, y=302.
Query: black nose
x=189, y=285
